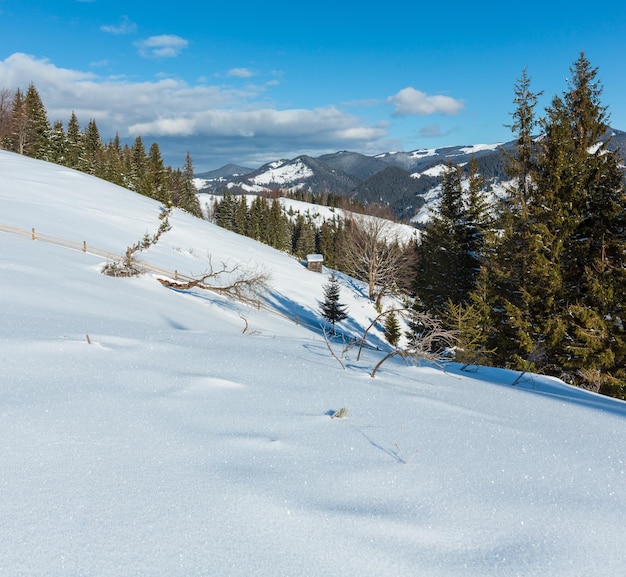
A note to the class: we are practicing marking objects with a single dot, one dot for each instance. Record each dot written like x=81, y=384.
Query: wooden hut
x=314, y=262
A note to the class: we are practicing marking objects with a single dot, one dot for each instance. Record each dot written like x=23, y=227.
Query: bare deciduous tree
x=6, y=107
x=370, y=251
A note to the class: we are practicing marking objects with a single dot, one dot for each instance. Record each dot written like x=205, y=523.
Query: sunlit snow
x=151, y=432
x=283, y=173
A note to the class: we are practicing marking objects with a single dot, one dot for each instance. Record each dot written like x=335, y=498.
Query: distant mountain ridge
x=401, y=180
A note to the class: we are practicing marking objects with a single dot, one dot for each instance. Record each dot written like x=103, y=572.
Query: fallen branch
x=243, y=284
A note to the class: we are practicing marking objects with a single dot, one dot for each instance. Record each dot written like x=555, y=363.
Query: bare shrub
x=127, y=266
x=428, y=341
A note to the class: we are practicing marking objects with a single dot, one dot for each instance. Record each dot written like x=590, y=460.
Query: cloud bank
x=217, y=123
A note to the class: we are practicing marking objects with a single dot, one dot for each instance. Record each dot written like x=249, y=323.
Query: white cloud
x=240, y=73
x=163, y=46
x=412, y=102
x=217, y=116
x=19, y=70
x=124, y=27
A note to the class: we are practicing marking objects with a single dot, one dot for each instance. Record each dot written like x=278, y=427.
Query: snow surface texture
x=144, y=433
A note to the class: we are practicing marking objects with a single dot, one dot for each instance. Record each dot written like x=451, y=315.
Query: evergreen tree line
x=264, y=220
x=539, y=284
x=25, y=129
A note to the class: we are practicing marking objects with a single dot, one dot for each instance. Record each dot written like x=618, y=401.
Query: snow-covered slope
x=152, y=432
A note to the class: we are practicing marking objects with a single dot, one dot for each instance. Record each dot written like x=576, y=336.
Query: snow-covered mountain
x=405, y=181
x=341, y=172
x=152, y=431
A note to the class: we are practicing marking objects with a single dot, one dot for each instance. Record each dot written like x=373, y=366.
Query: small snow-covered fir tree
x=332, y=310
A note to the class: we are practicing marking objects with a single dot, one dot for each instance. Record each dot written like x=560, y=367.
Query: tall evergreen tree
x=327, y=242
x=587, y=188
x=137, y=178
x=451, y=247
x=279, y=227
x=57, y=143
x=93, y=151
x=156, y=176
x=304, y=237
x=226, y=209
x=523, y=270
x=73, y=143
x=241, y=215
x=37, y=137
x=114, y=161
x=557, y=279
x=522, y=164
x=258, y=220
x=189, y=197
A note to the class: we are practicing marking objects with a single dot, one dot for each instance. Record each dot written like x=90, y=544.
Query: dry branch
x=233, y=281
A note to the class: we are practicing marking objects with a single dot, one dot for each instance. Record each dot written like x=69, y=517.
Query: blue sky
x=250, y=82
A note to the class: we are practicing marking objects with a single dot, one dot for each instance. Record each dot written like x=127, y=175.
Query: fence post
x=84, y=246
x=32, y=234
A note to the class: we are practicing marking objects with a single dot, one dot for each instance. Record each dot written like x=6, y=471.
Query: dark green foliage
x=393, y=331
x=330, y=308
x=452, y=244
x=73, y=143
x=188, y=197
x=93, y=151
x=557, y=280
x=326, y=242
x=37, y=137
x=156, y=177
x=303, y=237
x=279, y=228
x=57, y=143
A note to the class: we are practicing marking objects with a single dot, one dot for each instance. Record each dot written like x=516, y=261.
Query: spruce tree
x=258, y=220
x=279, y=227
x=93, y=151
x=304, y=237
x=189, y=197
x=225, y=214
x=587, y=188
x=73, y=143
x=156, y=176
x=452, y=245
x=523, y=269
x=327, y=242
x=393, y=331
x=241, y=215
x=57, y=143
x=37, y=137
x=137, y=178
x=557, y=275
x=330, y=308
